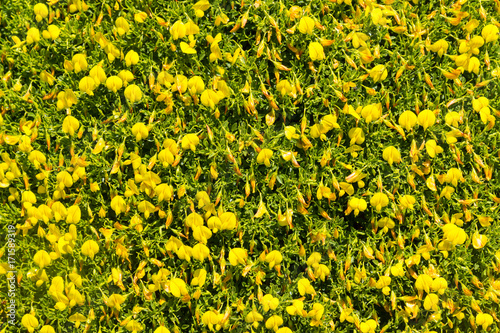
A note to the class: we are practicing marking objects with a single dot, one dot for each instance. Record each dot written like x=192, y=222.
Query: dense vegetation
x=253, y=166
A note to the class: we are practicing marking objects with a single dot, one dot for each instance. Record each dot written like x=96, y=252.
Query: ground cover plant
x=249, y=166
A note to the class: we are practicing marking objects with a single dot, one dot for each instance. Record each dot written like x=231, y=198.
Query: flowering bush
x=286, y=166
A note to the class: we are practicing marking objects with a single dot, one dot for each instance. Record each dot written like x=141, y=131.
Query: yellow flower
x=407, y=201
x=490, y=33
x=237, y=256
x=210, y=98
x=190, y=141
x=273, y=258
x=41, y=11
x=378, y=17
x=146, y=207
x=264, y=156
x=274, y=322
x=439, y=284
x=269, y=302
x=70, y=125
x=52, y=32
x=166, y=157
x=122, y=26
x=30, y=322
x=25, y=144
x=185, y=252
x=451, y=136
x=453, y=176
x=59, y=211
x=254, y=318
x=33, y=36
x=454, y=234
x=432, y=148
x=75, y=5
x=87, y=85
x=357, y=205
x=98, y=74
x=379, y=200
x=178, y=30
x=305, y=287
x=180, y=84
x=321, y=272
x=407, y=120
x=140, y=131
x=328, y=123
x=191, y=29
x=164, y=192
x=114, y=83
x=480, y=103
x=284, y=330
x=196, y=85
x=484, y=320
x=42, y=259
x=383, y=281
x=118, y=205
x=47, y=77
x=314, y=259
x=398, y=270
x=472, y=46
x=115, y=301
x=306, y=25
x=297, y=308
x=186, y=48
x=140, y=17
x=473, y=65
x=112, y=51
x=214, y=223
x=431, y=302
x=358, y=39
x=74, y=214
x=178, y=287
x=284, y=87
x=201, y=234
x=79, y=62
x=37, y=158
x=378, y=73
x=200, y=252
x=371, y=112
x=290, y=133
x=133, y=93
x=426, y=118
x=134, y=326
x=47, y=329
x=368, y=326
x=440, y=47
x=194, y=220
x=471, y=25
x=315, y=131
x=316, y=51
x=200, y=7
x=479, y=241
x=356, y=135
x=90, y=248
x=316, y=314
x=452, y=118
x=210, y=318
x=199, y=277
x=131, y=58
x=391, y=155
x=294, y=12
x=66, y=99
x=228, y=221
